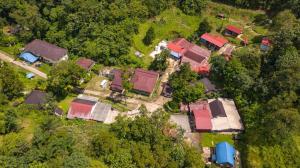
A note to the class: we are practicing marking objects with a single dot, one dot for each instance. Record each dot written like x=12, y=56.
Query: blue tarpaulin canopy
x=225, y=154
x=30, y=75
x=29, y=57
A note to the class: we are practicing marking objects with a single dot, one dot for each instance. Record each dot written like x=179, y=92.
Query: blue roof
x=29, y=57
x=30, y=75
x=225, y=153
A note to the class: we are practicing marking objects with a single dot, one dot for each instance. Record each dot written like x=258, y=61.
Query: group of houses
x=39, y=50
x=144, y=81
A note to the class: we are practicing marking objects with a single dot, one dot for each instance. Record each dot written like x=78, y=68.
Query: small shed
x=30, y=75
x=265, y=44
x=224, y=154
x=58, y=111
x=233, y=30
x=28, y=57
x=103, y=83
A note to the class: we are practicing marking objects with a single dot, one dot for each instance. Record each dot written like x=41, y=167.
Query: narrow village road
x=7, y=58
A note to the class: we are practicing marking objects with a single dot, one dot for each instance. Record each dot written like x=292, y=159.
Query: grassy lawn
x=28, y=83
x=170, y=24
x=64, y=104
x=95, y=84
x=211, y=139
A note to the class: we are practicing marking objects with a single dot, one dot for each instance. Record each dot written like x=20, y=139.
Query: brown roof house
x=197, y=57
x=144, y=81
x=85, y=63
x=36, y=97
x=116, y=84
x=48, y=52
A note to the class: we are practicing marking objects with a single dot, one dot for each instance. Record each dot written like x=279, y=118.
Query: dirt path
x=7, y=58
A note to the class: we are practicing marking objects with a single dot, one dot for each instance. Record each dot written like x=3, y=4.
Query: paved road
x=7, y=58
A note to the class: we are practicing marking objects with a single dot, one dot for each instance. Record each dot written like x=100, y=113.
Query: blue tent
x=224, y=154
x=30, y=75
x=29, y=57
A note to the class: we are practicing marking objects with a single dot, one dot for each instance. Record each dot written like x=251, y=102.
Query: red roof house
x=197, y=57
x=178, y=47
x=81, y=109
x=213, y=41
x=116, y=84
x=85, y=63
x=233, y=30
x=144, y=81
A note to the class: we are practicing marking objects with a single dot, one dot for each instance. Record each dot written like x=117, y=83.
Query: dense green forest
x=264, y=85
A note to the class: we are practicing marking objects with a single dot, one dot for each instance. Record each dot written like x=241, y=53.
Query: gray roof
x=209, y=87
x=101, y=112
x=217, y=108
x=36, y=97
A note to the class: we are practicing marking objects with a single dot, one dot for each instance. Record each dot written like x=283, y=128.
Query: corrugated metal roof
x=225, y=154
x=101, y=112
x=234, y=29
x=216, y=40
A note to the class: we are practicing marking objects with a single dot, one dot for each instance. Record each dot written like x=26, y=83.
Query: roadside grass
x=211, y=139
x=13, y=50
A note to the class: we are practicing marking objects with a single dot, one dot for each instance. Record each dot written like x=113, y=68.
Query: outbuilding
x=213, y=42
x=28, y=57
x=231, y=30
x=116, y=84
x=265, y=44
x=85, y=63
x=224, y=155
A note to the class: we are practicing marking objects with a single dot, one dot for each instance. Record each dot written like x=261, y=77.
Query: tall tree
x=64, y=77
x=10, y=83
x=149, y=37
x=160, y=62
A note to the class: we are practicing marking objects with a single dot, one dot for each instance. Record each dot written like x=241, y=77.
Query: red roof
x=234, y=29
x=203, y=119
x=179, y=45
x=265, y=41
x=116, y=84
x=85, y=63
x=144, y=80
x=81, y=109
x=201, y=113
x=216, y=40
